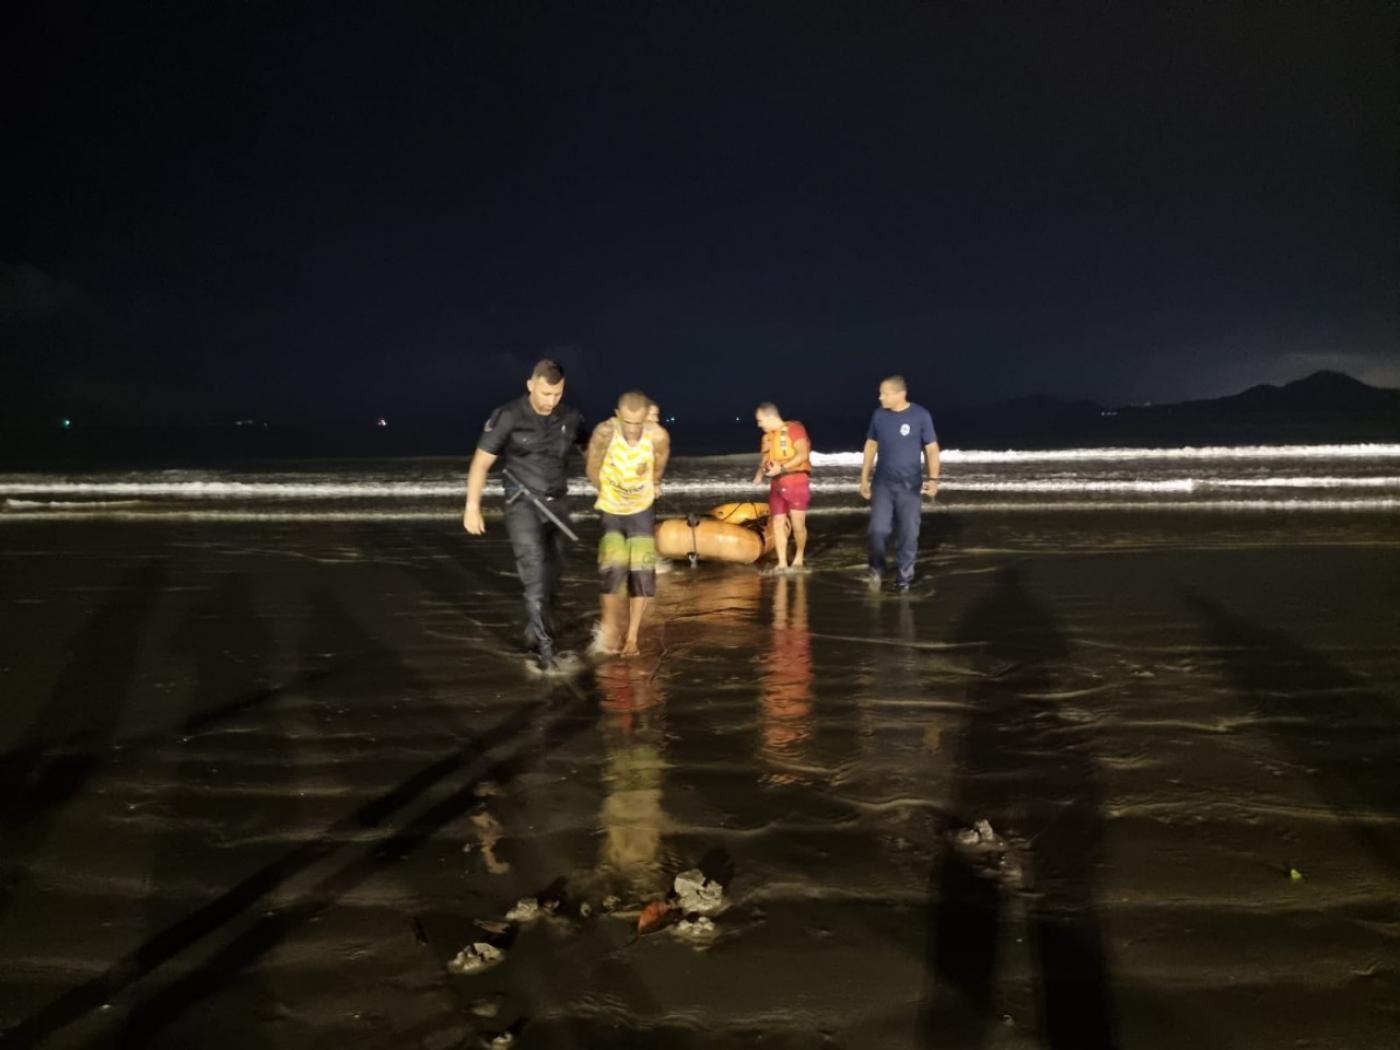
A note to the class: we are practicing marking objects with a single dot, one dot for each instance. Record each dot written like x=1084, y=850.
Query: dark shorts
x=627, y=553
x=789, y=492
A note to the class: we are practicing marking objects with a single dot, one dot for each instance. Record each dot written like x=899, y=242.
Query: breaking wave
x=1118, y=455
x=1275, y=477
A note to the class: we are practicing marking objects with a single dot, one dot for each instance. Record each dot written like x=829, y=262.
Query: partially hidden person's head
x=894, y=393
x=631, y=414
x=767, y=417
x=546, y=386
x=653, y=412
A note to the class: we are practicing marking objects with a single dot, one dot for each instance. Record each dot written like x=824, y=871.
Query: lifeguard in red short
x=787, y=462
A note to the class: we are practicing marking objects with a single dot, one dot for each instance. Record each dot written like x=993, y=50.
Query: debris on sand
x=655, y=916
x=488, y=1007
x=697, y=894
x=988, y=853
x=990, y=838
x=698, y=929
x=612, y=902
x=980, y=838
x=526, y=909
x=475, y=958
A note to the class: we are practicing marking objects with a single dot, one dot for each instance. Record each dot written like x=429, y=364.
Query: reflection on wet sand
x=706, y=604
x=786, y=697
x=632, y=727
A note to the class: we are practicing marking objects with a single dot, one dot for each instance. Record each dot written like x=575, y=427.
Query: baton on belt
x=521, y=490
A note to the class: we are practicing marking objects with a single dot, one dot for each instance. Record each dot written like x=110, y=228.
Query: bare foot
x=631, y=649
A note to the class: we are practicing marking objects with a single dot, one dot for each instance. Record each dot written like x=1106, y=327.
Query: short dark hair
x=548, y=369
x=767, y=408
x=896, y=381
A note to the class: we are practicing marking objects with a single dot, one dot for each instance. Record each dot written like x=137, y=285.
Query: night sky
x=346, y=210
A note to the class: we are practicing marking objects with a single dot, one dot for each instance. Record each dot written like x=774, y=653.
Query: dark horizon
x=1323, y=408
x=231, y=212
x=596, y=403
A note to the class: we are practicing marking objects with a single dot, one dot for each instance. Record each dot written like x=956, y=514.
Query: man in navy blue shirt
x=903, y=448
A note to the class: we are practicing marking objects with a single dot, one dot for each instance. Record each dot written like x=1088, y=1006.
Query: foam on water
x=1003, y=507
x=1092, y=455
x=134, y=491
x=407, y=489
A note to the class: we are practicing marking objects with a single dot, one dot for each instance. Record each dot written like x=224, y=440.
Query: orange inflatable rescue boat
x=739, y=513
x=733, y=532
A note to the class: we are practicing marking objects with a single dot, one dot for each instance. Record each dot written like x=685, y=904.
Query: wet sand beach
x=264, y=780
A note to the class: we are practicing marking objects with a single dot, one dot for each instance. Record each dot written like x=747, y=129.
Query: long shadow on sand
x=75, y=727
x=499, y=754
x=1027, y=770
x=181, y=861
x=1343, y=734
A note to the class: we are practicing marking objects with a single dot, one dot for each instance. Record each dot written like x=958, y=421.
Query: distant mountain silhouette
x=1320, y=392
x=1323, y=407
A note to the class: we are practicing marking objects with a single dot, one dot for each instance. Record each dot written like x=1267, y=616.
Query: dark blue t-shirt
x=902, y=437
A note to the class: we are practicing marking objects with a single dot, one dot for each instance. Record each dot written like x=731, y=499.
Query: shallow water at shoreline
x=1333, y=478
x=265, y=779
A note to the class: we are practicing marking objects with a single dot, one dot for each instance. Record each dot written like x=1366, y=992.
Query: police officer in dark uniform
x=532, y=435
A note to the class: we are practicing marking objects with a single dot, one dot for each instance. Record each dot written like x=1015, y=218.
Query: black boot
x=541, y=636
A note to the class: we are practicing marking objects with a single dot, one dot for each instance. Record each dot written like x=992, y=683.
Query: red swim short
x=789, y=492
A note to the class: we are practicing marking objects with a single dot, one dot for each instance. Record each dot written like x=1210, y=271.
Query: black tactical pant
x=539, y=560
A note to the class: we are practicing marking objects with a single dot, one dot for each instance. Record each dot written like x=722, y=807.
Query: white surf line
x=1137, y=505
x=13, y=489
x=40, y=504
x=137, y=484
x=1061, y=506
x=173, y=515
x=1100, y=455
x=134, y=491
x=236, y=489
x=1304, y=483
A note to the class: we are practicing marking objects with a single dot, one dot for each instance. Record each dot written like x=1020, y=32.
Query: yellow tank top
x=625, y=480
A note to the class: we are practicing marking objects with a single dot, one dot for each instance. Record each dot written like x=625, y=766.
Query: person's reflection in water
x=1025, y=768
x=632, y=725
x=787, y=685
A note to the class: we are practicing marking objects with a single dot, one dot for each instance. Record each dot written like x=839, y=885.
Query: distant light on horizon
x=66, y=423
x=381, y=422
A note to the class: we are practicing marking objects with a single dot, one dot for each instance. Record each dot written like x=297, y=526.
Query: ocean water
x=1362, y=477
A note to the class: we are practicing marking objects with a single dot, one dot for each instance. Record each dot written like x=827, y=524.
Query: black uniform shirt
x=533, y=447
